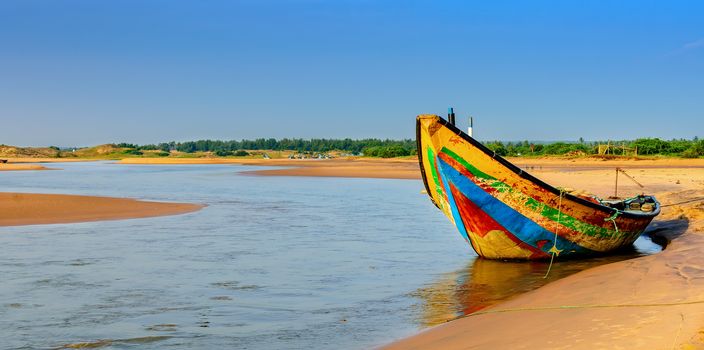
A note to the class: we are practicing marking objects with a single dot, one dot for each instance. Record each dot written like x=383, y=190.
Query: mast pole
x=451, y=115
x=616, y=188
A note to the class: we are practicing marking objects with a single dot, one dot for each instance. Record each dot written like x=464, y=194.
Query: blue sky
x=90, y=72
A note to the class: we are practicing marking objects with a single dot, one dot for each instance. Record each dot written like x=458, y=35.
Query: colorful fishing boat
x=506, y=213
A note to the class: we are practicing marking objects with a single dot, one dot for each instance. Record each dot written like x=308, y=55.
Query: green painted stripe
x=471, y=168
x=431, y=159
x=535, y=205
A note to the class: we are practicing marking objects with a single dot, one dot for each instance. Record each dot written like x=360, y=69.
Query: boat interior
x=637, y=204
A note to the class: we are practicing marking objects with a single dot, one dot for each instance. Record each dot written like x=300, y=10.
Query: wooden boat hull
x=504, y=212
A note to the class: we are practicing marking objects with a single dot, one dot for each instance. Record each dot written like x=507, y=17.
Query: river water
x=270, y=263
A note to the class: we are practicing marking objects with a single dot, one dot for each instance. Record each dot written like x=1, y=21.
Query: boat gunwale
x=523, y=174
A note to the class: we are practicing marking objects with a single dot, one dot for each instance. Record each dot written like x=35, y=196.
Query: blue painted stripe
x=453, y=207
x=522, y=227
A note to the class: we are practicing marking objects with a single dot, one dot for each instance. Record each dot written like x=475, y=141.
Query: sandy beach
x=33, y=209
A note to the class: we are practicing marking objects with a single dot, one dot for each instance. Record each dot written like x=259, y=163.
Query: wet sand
x=33, y=209
x=652, y=302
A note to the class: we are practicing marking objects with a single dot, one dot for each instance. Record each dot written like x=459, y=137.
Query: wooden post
x=616, y=188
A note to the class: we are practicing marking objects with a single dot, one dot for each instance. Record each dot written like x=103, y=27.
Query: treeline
x=643, y=147
x=396, y=148
x=377, y=147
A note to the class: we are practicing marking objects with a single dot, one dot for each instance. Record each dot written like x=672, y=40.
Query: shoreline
x=642, y=307
x=391, y=168
x=18, y=209
x=383, y=168
x=650, y=302
x=406, y=169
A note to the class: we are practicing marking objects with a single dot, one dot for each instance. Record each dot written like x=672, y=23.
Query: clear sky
x=76, y=73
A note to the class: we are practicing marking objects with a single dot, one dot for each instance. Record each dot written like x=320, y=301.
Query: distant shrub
x=125, y=145
x=398, y=148
x=133, y=152
x=679, y=146
x=223, y=153
x=561, y=148
x=386, y=151
x=651, y=146
x=695, y=151
x=497, y=147
x=162, y=154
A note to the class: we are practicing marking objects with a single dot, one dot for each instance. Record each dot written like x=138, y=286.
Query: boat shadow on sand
x=483, y=282
x=663, y=232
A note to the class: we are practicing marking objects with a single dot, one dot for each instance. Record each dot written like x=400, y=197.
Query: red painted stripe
x=466, y=173
x=548, y=224
x=546, y=197
x=479, y=222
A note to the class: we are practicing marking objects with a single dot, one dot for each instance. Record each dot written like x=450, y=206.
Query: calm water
x=271, y=263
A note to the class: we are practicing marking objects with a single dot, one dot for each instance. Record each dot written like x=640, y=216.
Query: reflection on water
x=484, y=282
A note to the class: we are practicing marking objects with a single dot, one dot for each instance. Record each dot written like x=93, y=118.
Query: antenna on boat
x=629, y=176
x=451, y=115
x=471, y=125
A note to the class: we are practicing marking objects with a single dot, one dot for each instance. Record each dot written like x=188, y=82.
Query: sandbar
x=408, y=168
x=22, y=164
x=34, y=209
x=21, y=167
x=341, y=167
x=46, y=160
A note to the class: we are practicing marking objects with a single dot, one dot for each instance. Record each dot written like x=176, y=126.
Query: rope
x=683, y=202
x=554, y=251
x=592, y=306
x=613, y=219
